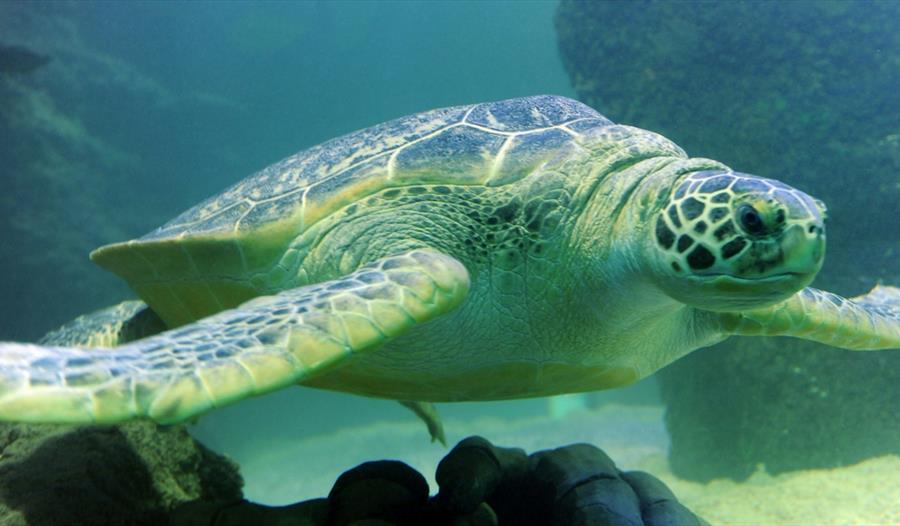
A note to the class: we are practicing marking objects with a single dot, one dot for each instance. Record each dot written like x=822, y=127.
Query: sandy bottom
x=867, y=493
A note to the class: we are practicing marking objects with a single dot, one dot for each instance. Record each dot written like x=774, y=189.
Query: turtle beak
x=803, y=247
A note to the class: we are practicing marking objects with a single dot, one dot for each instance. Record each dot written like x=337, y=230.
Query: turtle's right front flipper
x=263, y=345
x=867, y=322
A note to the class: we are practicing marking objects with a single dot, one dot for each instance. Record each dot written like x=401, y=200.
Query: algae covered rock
x=132, y=474
x=804, y=92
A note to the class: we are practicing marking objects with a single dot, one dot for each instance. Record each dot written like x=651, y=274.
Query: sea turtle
x=519, y=248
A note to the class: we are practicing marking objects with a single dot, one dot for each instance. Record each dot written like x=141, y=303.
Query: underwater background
x=116, y=116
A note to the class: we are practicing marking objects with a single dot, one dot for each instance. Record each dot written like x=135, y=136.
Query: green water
x=146, y=108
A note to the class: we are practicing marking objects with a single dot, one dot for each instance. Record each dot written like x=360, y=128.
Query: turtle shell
x=248, y=226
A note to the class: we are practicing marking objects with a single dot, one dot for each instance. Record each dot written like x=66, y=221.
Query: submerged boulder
x=132, y=474
x=480, y=485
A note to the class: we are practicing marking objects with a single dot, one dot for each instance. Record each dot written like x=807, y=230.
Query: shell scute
x=333, y=192
x=583, y=125
x=262, y=212
x=526, y=151
x=460, y=145
x=460, y=154
x=528, y=113
x=226, y=218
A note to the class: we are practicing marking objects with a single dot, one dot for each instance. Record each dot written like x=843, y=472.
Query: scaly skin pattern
x=269, y=343
x=870, y=321
x=503, y=250
x=732, y=241
x=701, y=216
x=545, y=255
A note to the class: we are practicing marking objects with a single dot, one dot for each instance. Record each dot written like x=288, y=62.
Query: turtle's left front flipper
x=867, y=322
x=265, y=344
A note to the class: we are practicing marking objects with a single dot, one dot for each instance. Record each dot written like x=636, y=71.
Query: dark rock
x=471, y=472
x=659, y=506
x=598, y=501
x=579, y=484
x=570, y=486
x=565, y=468
x=647, y=487
x=133, y=474
x=386, y=490
x=388, y=470
x=792, y=91
x=204, y=513
x=482, y=516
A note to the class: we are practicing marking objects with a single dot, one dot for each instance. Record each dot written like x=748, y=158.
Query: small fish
x=18, y=59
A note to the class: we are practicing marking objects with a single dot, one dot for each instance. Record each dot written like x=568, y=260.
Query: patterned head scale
x=732, y=229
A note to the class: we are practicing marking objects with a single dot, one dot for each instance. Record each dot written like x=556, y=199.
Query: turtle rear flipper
x=867, y=322
x=263, y=345
x=428, y=413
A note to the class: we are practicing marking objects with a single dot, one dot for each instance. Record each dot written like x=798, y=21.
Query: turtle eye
x=751, y=221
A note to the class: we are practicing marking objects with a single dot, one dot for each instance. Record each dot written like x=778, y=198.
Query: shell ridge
x=282, y=189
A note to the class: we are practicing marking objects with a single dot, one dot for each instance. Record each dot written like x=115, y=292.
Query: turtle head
x=728, y=241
